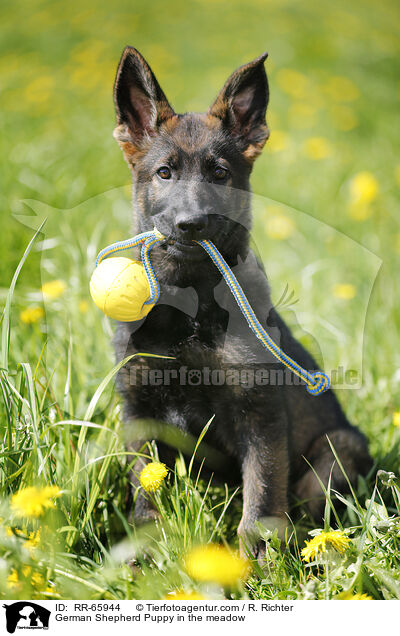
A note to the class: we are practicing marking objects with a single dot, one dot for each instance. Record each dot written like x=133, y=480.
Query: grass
x=326, y=199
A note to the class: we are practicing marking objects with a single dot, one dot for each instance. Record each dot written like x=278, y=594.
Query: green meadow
x=326, y=225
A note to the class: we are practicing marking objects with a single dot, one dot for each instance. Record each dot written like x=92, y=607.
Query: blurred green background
x=333, y=152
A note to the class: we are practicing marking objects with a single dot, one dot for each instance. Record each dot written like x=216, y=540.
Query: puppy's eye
x=164, y=172
x=220, y=173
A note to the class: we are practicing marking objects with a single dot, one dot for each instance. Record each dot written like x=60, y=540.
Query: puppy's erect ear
x=140, y=104
x=242, y=104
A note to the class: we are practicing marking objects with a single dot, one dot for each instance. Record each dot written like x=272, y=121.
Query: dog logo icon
x=26, y=615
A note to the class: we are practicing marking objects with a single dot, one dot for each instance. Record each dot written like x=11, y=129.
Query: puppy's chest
x=197, y=343
x=199, y=375
x=191, y=355
x=192, y=387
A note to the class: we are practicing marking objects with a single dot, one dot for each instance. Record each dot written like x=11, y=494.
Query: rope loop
x=321, y=383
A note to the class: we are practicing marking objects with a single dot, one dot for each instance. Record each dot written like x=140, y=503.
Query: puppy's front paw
x=251, y=546
x=253, y=536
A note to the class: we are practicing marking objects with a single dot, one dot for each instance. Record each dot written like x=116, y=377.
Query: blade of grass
x=5, y=318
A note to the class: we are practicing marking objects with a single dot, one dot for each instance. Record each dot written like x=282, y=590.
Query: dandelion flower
x=396, y=419
x=32, y=542
x=360, y=211
x=39, y=90
x=180, y=595
x=32, y=501
x=278, y=141
x=344, y=291
x=53, y=289
x=318, y=544
x=293, y=83
x=31, y=315
x=348, y=596
x=364, y=188
x=216, y=563
x=279, y=227
x=35, y=578
x=83, y=306
x=152, y=476
x=317, y=148
x=13, y=581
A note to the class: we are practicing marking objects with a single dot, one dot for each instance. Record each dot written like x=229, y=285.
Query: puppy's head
x=191, y=172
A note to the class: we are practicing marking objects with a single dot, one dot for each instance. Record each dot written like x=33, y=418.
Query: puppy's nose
x=191, y=226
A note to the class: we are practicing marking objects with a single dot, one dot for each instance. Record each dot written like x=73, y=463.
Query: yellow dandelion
x=348, y=596
x=181, y=595
x=32, y=542
x=396, y=419
x=341, y=89
x=32, y=501
x=40, y=89
x=83, y=306
x=31, y=315
x=152, y=476
x=344, y=291
x=216, y=563
x=13, y=581
x=317, y=148
x=364, y=188
x=279, y=227
x=278, y=141
x=359, y=211
x=53, y=289
x=37, y=580
x=335, y=538
x=293, y=83
x=34, y=578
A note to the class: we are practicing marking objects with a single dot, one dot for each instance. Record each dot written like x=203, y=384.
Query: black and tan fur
x=264, y=432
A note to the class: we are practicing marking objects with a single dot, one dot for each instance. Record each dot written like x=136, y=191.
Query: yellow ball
x=119, y=288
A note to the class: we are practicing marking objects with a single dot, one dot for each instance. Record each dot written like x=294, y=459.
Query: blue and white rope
x=316, y=383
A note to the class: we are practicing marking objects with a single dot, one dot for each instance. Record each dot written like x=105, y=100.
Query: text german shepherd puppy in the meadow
x=191, y=181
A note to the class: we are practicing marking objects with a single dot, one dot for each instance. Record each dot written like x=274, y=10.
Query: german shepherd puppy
x=191, y=181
